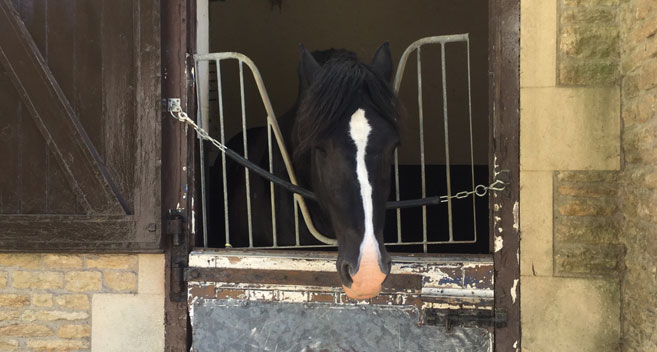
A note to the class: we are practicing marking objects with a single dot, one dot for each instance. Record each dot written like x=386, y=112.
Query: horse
x=342, y=132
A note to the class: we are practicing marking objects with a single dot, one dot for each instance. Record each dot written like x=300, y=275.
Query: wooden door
x=80, y=126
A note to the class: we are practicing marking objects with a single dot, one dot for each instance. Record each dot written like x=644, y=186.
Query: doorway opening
x=270, y=34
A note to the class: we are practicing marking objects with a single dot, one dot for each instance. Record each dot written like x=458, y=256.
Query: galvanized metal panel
x=232, y=325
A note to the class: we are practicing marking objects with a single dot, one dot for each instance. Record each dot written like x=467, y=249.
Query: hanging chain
x=182, y=116
x=479, y=190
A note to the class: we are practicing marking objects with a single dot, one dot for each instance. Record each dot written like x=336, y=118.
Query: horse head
x=345, y=134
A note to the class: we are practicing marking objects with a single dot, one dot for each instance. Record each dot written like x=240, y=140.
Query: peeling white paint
x=456, y=292
x=193, y=217
x=440, y=276
x=499, y=243
x=516, y=223
x=514, y=291
x=495, y=167
x=193, y=222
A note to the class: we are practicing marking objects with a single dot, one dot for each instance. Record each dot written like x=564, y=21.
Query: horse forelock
x=343, y=85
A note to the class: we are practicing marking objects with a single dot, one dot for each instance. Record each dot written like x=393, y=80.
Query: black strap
x=310, y=195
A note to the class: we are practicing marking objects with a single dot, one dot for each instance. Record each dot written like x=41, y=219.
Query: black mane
x=341, y=86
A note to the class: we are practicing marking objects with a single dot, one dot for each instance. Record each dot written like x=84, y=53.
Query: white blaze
x=359, y=130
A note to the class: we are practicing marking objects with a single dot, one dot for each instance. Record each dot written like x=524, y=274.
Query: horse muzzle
x=364, y=280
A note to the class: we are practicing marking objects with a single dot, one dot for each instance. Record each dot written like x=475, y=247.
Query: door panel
x=260, y=300
x=81, y=80
x=261, y=326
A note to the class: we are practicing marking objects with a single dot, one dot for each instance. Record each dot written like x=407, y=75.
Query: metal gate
x=254, y=300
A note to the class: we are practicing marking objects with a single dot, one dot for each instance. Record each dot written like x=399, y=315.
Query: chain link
x=479, y=190
x=182, y=116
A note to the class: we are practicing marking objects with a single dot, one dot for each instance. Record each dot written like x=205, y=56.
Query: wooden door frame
x=504, y=164
x=179, y=161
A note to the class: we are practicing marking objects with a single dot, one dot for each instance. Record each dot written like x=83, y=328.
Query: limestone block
x=78, y=302
x=536, y=223
x=569, y=129
x=57, y=345
x=127, y=323
x=52, y=315
x=568, y=314
x=37, y=280
x=3, y=279
x=538, y=43
x=151, y=274
x=21, y=260
x=121, y=281
x=77, y=331
x=42, y=300
x=589, y=43
x=8, y=345
x=62, y=261
x=81, y=281
x=6, y=315
x=585, y=260
x=112, y=261
x=12, y=300
x=25, y=330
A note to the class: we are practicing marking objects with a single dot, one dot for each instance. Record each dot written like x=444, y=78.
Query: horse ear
x=308, y=68
x=382, y=61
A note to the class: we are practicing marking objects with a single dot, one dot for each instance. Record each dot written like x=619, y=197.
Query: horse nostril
x=345, y=273
x=388, y=266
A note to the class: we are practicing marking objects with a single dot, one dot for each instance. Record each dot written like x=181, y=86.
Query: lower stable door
x=293, y=301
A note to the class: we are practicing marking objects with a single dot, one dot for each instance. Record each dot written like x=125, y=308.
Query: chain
x=479, y=190
x=182, y=116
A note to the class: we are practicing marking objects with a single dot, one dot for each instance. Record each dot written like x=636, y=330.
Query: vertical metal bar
x=296, y=220
x=223, y=155
x=474, y=210
x=399, y=232
x=199, y=121
x=422, y=166
x=271, y=188
x=247, y=180
x=447, y=164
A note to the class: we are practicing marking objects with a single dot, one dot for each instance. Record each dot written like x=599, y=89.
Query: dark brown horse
x=342, y=132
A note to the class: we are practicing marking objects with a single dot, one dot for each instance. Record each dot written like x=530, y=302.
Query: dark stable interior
x=269, y=35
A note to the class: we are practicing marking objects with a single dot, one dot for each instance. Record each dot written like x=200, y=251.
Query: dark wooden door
x=80, y=125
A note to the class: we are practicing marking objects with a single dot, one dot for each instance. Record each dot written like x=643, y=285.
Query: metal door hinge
x=465, y=317
x=179, y=248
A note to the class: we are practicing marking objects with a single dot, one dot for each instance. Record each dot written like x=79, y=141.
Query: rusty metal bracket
x=179, y=254
x=465, y=317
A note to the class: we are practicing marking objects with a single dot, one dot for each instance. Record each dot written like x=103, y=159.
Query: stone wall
x=587, y=224
x=570, y=159
x=638, y=196
x=57, y=302
x=588, y=42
